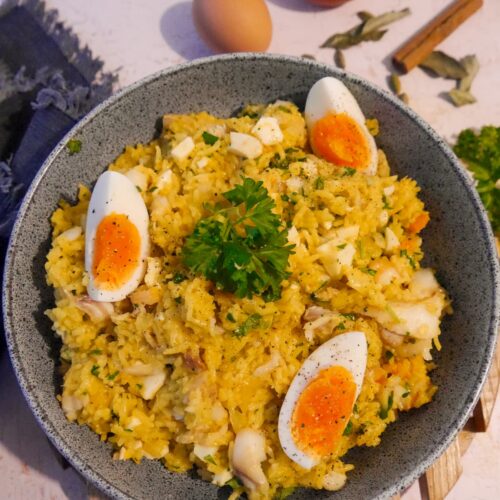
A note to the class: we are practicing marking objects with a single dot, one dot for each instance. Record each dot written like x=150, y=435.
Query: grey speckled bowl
x=458, y=243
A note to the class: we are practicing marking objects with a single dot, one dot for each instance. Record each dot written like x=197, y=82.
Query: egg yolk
x=323, y=410
x=116, y=251
x=340, y=140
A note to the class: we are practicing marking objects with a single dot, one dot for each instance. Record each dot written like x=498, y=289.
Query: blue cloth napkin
x=47, y=83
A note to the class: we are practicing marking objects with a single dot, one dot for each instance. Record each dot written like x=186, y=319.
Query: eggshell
x=232, y=26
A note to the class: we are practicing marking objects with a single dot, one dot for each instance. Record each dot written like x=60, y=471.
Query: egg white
x=115, y=193
x=348, y=350
x=330, y=95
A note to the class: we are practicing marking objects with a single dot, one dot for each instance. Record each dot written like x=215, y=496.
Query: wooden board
x=437, y=482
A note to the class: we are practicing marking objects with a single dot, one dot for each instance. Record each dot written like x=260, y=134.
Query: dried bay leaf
x=364, y=15
x=461, y=97
x=444, y=65
x=377, y=22
x=339, y=59
x=395, y=83
x=471, y=66
x=367, y=31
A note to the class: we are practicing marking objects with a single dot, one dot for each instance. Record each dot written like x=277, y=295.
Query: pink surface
x=137, y=38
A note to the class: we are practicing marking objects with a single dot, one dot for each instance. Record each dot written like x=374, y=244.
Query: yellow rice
x=211, y=390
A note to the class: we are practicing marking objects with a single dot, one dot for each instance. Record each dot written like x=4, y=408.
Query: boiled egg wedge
x=337, y=129
x=116, y=238
x=321, y=397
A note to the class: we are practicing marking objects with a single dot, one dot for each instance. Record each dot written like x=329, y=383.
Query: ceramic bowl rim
x=37, y=409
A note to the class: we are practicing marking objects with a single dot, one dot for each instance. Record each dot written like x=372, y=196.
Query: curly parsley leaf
x=74, y=146
x=481, y=152
x=241, y=247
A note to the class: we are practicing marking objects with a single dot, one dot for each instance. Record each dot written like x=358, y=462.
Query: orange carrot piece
x=419, y=223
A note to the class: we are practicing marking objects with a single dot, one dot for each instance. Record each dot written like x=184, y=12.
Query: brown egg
x=233, y=25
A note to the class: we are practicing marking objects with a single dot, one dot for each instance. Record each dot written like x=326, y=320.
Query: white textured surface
x=137, y=38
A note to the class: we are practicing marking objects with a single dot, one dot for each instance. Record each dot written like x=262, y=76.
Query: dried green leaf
x=404, y=97
x=461, y=97
x=309, y=56
x=341, y=41
x=444, y=65
x=373, y=36
x=471, y=66
x=395, y=83
x=364, y=15
x=377, y=22
x=339, y=59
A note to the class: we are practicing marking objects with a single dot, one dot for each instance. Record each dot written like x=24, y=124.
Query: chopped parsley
x=234, y=483
x=152, y=189
x=350, y=316
x=411, y=260
x=96, y=352
x=209, y=459
x=341, y=247
x=113, y=375
x=348, y=429
x=230, y=317
x=179, y=278
x=348, y=172
x=251, y=323
x=407, y=391
x=178, y=300
x=74, y=146
x=388, y=355
x=319, y=183
x=278, y=162
x=371, y=272
x=241, y=247
x=284, y=493
x=384, y=412
x=95, y=370
x=386, y=202
x=209, y=138
x=340, y=326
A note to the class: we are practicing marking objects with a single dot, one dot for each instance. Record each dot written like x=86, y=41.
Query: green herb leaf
x=241, y=248
x=385, y=202
x=461, y=97
x=234, y=483
x=179, y=278
x=480, y=150
x=342, y=246
x=230, y=317
x=350, y=316
x=371, y=272
x=152, y=189
x=319, y=183
x=339, y=59
x=178, y=300
x=384, y=412
x=388, y=355
x=348, y=429
x=209, y=459
x=284, y=493
x=340, y=327
x=411, y=260
x=96, y=352
x=348, y=172
x=251, y=323
x=444, y=65
x=209, y=138
x=74, y=146
x=113, y=375
x=95, y=370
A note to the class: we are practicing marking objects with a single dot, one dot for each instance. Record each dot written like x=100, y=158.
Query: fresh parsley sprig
x=241, y=247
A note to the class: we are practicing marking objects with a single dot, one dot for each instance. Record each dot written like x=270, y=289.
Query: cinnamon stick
x=419, y=46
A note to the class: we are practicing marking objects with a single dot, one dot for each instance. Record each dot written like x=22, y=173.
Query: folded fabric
x=47, y=82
